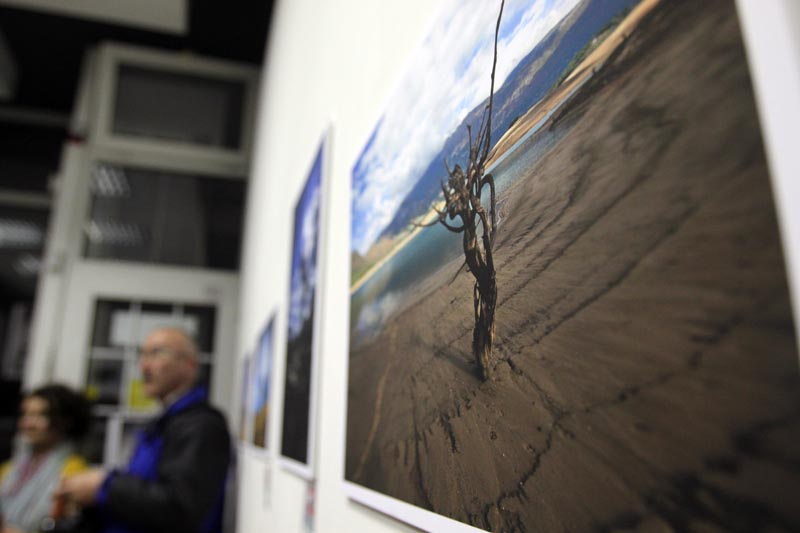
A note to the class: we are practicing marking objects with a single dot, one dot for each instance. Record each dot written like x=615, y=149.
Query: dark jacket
x=175, y=480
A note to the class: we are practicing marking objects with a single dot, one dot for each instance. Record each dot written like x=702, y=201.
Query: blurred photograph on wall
x=243, y=399
x=260, y=387
x=297, y=439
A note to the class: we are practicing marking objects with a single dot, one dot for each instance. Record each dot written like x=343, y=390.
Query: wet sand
x=645, y=360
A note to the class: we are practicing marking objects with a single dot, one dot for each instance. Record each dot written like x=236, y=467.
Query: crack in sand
x=376, y=419
x=448, y=428
x=672, y=130
x=559, y=413
x=573, y=195
x=746, y=441
x=423, y=492
x=689, y=500
x=519, y=493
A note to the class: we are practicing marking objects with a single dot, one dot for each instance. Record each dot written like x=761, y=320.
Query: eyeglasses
x=157, y=351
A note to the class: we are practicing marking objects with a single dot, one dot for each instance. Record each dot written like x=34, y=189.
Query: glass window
x=92, y=446
x=22, y=235
x=107, y=315
x=178, y=107
x=163, y=217
x=104, y=383
x=203, y=317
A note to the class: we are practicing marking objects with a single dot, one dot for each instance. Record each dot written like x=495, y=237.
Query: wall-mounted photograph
x=299, y=406
x=245, y=379
x=569, y=308
x=260, y=386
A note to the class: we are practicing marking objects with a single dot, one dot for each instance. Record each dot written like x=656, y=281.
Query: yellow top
x=73, y=465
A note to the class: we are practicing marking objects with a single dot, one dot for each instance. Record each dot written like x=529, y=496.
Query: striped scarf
x=26, y=491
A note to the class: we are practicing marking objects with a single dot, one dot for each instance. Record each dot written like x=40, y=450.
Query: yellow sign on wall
x=137, y=400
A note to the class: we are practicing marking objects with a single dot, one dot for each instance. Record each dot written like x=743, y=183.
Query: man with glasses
x=175, y=479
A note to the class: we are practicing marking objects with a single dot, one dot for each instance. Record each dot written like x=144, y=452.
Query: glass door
x=113, y=307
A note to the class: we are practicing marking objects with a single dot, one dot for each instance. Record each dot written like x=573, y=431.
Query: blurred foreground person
x=175, y=479
x=52, y=419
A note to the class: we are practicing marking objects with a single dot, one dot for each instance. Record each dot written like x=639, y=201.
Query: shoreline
x=429, y=217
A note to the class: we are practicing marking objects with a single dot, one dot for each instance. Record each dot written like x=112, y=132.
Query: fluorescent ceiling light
x=112, y=233
x=19, y=234
x=110, y=182
x=27, y=265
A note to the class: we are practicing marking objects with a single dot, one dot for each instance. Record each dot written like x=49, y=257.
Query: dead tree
x=464, y=213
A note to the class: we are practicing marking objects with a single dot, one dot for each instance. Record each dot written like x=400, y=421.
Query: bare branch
x=454, y=229
x=476, y=298
x=487, y=112
x=488, y=179
x=491, y=92
x=458, y=272
x=462, y=195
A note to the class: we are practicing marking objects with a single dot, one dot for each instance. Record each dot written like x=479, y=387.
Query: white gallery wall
x=328, y=63
x=333, y=64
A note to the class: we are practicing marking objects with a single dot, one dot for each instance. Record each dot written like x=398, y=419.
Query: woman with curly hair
x=52, y=419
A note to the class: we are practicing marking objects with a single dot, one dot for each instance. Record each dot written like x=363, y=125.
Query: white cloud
x=302, y=295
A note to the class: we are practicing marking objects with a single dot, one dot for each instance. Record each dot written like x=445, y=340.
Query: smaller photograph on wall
x=243, y=383
x=260, y=385
x=301, y=352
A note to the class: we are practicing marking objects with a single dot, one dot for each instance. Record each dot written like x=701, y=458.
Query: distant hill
x=529, y=82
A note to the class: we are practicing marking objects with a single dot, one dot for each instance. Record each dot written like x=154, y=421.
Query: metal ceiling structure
x=43, y=50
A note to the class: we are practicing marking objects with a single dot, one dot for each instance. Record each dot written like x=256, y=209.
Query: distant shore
x=427, y=219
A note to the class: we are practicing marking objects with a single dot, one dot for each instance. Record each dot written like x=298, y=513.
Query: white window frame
x=110, y=57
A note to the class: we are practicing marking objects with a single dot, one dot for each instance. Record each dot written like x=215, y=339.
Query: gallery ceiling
x=46, y=47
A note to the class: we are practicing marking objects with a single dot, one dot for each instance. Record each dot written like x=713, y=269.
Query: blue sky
x=304, y=249
x=447, y=77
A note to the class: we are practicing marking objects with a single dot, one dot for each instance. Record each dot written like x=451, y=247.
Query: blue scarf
x=146, y=456
x=144, y=463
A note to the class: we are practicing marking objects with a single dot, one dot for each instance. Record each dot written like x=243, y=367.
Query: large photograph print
x=569, y=309
x=298, y=404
